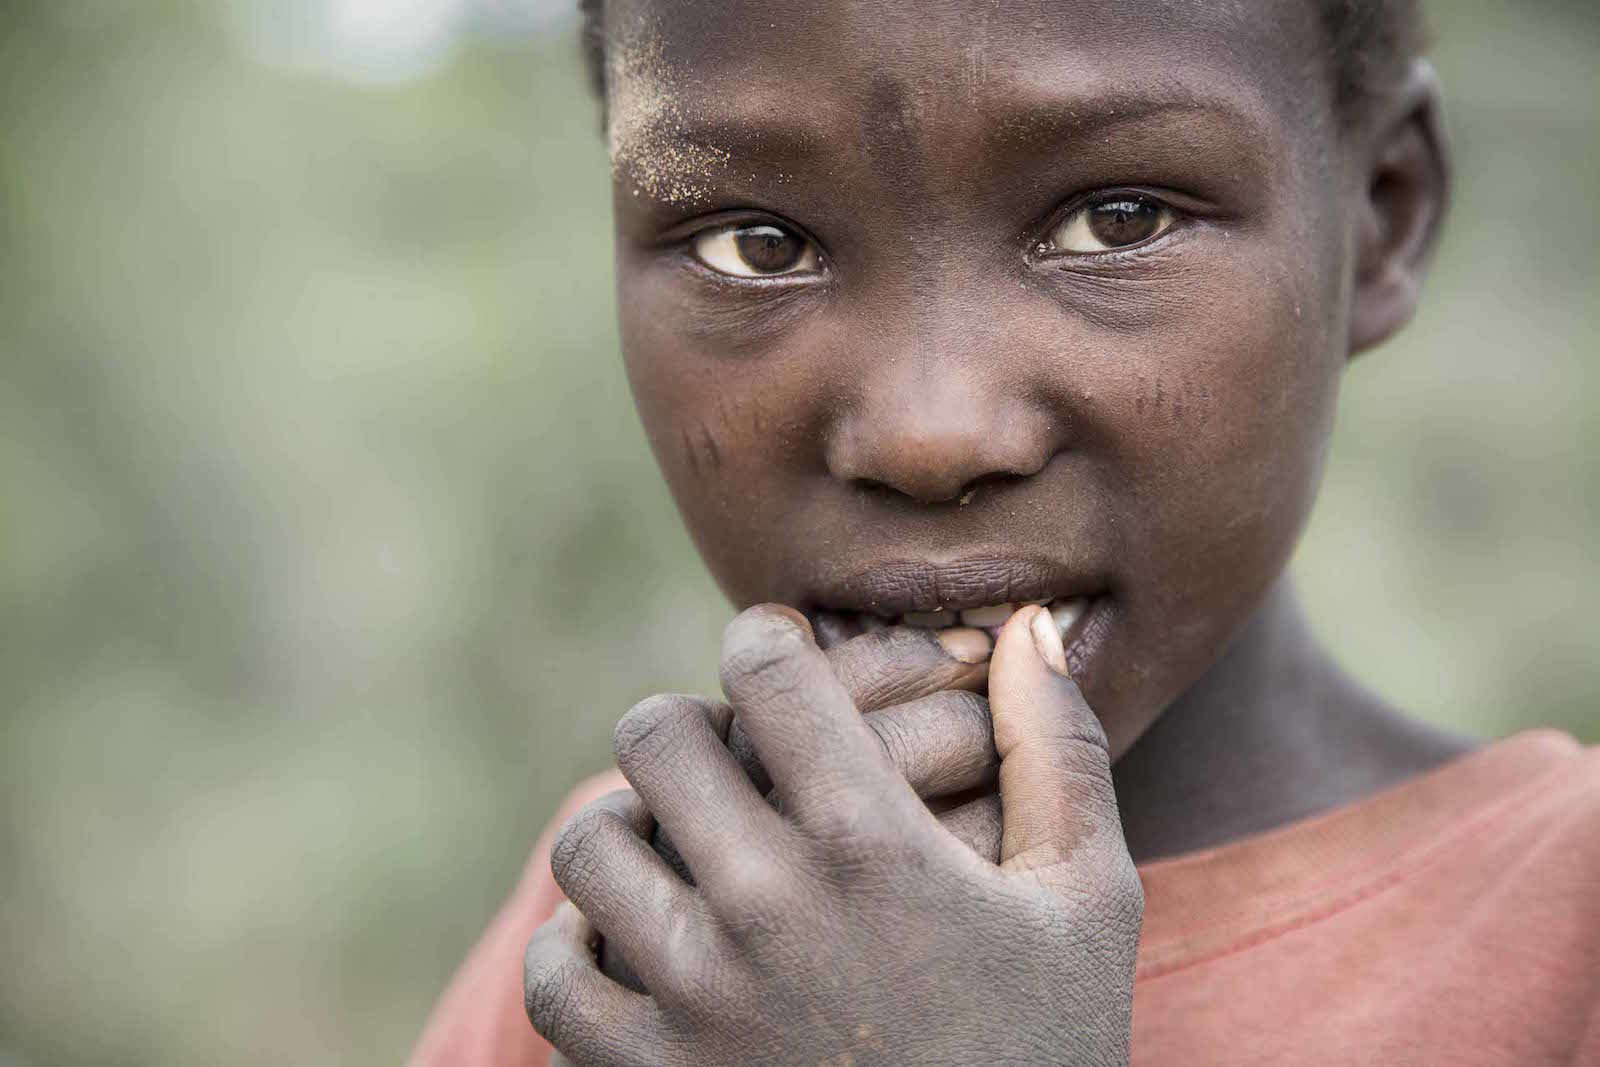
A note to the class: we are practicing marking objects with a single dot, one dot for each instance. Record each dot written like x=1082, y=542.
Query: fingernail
x=1047, y=641
x=966, y=645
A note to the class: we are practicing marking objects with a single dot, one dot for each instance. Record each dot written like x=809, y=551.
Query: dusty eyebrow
x=676, y=144
x=1044, y=116
x=770, y=135
x=757, y=126
x=684, y=146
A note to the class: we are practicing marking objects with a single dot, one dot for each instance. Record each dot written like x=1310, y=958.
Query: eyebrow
x=765, y=134
x=1060, y=118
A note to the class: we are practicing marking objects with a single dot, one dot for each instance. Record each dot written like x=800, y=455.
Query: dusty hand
x=849, y=922
x=917, y=691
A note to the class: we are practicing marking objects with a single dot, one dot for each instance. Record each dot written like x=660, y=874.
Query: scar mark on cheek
x=1191, y=398
x=645, y=126
x=700, y=450
x=690, y=457
x=713, y=453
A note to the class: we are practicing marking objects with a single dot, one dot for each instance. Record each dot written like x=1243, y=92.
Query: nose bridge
x=941, y=408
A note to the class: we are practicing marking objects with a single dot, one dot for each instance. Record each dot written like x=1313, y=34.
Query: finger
x=589, y=1018
x=886, y=667
x=798, y=714
x=832, y=628
x=669, y=750
x=978, y=825
x=604, y=865
x=901, y=663
x=1055, y=768
x=940, y=744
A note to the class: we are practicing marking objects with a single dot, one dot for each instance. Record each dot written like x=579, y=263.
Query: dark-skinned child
x=999, y=342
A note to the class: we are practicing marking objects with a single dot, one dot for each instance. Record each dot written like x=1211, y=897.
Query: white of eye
x=761, y=250
x=1112, y=223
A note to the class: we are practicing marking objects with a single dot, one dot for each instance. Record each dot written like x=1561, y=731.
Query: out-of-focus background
x=330, y=551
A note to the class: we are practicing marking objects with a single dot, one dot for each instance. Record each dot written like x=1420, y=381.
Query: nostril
x=873, y=486
x=992, y=480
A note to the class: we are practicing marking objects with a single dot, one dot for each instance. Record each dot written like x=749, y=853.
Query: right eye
x=756, y=251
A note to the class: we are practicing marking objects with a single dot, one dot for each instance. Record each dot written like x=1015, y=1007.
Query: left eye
x=759, y=251
x=1120, y=221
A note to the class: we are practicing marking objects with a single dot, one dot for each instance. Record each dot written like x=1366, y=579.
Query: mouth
x=979, y=594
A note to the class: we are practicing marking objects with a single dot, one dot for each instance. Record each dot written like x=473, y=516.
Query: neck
x=1274, y=732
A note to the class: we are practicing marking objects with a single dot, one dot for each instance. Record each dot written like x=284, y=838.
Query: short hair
x=1369, y=44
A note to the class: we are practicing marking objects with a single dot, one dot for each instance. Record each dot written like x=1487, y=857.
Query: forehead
x=917, y=68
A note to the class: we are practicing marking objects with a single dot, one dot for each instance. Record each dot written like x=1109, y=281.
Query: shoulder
x=1547, y=832
x=1567, y=796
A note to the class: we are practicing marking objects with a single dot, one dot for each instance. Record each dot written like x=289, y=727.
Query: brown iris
x=768, y=249
x=1124, y=221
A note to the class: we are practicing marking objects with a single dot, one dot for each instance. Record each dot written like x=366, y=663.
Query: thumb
x=1056, y=796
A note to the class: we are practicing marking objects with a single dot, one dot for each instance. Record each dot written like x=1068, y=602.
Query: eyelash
x=1172, y=218
x=686, y=240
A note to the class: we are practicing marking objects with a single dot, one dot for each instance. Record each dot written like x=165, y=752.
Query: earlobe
x=1406, y=191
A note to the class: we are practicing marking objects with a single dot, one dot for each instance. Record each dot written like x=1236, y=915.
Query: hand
x=916, y=690
x=919, y=692
x=848, y=925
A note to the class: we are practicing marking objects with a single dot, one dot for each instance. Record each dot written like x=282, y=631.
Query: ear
x=1406, y=190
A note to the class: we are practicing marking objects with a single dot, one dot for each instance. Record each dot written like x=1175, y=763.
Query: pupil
x=1119, y=223
x=768, y=249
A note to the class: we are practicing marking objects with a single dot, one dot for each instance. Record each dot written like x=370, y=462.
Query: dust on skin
x=646, y=120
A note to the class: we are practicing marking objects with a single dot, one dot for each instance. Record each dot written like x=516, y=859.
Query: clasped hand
x=838, y=920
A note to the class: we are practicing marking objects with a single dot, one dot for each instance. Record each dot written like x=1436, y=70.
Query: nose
x=936, y=437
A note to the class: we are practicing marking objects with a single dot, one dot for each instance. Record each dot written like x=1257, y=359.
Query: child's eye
x=1112, y=223
x=761, y=250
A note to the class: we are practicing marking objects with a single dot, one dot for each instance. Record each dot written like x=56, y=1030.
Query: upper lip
x=894, y=587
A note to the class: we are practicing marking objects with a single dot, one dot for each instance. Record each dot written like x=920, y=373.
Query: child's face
x=956, y=304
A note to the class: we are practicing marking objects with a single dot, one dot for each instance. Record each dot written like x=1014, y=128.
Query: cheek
x=1229, y=424
x=733, y=433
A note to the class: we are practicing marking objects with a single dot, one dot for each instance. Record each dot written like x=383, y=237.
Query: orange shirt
x=1454, y=919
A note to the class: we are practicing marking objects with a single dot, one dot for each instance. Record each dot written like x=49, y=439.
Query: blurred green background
x=330, y=551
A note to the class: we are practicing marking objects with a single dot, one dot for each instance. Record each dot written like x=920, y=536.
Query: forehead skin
x=697, y=86
x=1152, y=424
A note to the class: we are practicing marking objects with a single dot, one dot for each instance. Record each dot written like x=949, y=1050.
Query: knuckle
x=576, y=851
x=886, y=667
x=895, y=737
x=968, y=704
x=548, y=989
x=653, y=729
x=855, y=832
x=1081, y=745
x=759, y=653
x=967, y=715
x=751, y=890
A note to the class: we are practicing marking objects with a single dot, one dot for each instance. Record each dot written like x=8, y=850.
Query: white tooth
x=1067, y=613
x=993, y=615
x=929, y=620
